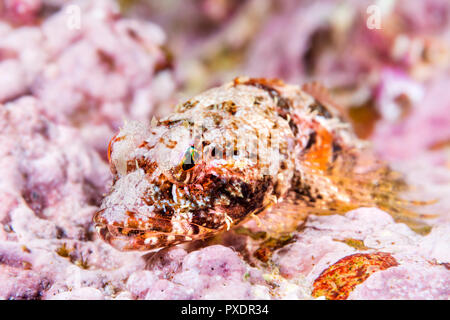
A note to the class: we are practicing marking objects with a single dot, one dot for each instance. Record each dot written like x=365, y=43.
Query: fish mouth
x=158, y=234
x=138, y=240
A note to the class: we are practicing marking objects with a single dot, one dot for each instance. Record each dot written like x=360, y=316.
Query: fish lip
x=129, y=242
x=142, y=240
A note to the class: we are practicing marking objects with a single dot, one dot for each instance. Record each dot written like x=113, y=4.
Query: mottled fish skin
x=220, y=158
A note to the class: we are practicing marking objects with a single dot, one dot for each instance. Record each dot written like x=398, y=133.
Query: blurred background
x=386, y=61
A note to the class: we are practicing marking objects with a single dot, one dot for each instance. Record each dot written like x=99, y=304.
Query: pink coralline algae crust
x=331, y=41
x=301, y=257
x=54, y=118
x=397, y=74
x=52, y=183
x=427, y=124
x=54, y=61
x=20, y=11
x=328, y=239
x=214, y=272
x=21, y=284
x=416, y=282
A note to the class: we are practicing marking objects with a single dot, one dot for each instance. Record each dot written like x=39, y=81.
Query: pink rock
x=426, y=16
x=140, y=282
x=393, y=84
x=166, y=262
x=415, y=282
x=215, y=261
x=300, y=257
x=80, y=294
x=51, y=163
x=214, y=272
x=20, y=11
x=167, y=290
x=54, y=63
x=288, y=33
x=427, y=124
x=17, y=284
x=355, y=224
x=327, y=239
x=64, y=91
x=436, y=245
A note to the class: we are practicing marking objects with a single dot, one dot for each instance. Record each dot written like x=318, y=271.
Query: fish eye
x=190, y=158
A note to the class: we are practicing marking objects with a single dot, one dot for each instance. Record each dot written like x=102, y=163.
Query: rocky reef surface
x=64, y=92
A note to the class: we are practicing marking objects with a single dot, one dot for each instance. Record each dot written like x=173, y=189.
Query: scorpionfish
x=235, y=152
